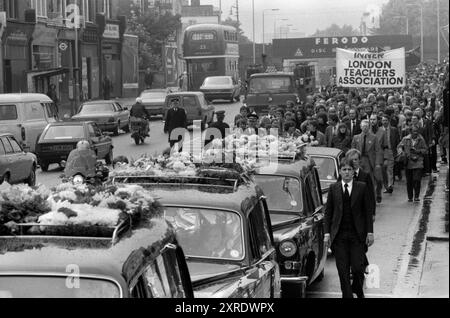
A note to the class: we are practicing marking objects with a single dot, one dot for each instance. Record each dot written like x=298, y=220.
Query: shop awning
x=49, y=72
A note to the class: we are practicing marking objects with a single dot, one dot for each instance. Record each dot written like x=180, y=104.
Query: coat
x=373, y=149
x=356, y=129
x=321, y=139
x=393, y=142
x=329, y=135
x=175, y=119
x=421, y=150
x=341, y=143
x=362, y=210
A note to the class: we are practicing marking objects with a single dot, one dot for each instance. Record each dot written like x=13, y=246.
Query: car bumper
x=107, y=126
x=155, y=111
x=54, y=157
x=293, y=287
x=218, y=95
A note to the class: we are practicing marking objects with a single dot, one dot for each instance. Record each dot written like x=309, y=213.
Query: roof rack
x=95, y=232
x=177, y=180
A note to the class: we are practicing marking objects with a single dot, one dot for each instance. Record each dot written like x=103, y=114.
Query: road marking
x=340, y=294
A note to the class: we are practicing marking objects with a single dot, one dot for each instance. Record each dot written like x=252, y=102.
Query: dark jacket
x=356, y=128
x=367, y=179
x=373, y=149
x=175, y=119
x=138, y=110
x=362, y=210
x=394, y=140
x=341, y=142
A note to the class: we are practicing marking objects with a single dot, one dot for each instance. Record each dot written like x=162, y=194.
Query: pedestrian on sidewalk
x=53, y=95
x=349, y=228
x=107, y=87
x=414, y=148
x=148, y=78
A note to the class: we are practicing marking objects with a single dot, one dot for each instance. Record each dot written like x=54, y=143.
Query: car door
x=104, y=142
x=3, y=160
x=34, y=123
x=10, y=162
x=264, y=272
x=21, y=162
x=313, y=184
x=122, y=114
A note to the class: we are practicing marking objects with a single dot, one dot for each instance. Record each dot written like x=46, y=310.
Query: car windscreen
x=64, y=132
x=154, y=95
x=326, y=168
x=207, y=233
x=97, y=108
x=217, y=81
x=283, y=193
x=56, y=287
x=276, y=84
x=8, y=112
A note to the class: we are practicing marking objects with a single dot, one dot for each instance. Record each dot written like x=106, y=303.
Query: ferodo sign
x=365, y=69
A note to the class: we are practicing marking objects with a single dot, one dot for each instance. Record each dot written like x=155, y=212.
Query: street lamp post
x=421, y=27
x=264, y=40
x=254, y=44
x=406, y=19
x=275, y=26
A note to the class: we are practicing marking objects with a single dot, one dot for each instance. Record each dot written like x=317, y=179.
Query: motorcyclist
x=82, y=160
x=138, y=110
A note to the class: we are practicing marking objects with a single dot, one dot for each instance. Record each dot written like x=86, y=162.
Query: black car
x=59, y=139
x=223, y=225
x=296, y=207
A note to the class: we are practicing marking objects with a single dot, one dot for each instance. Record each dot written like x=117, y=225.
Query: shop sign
x=112, y=31
x=63, y=46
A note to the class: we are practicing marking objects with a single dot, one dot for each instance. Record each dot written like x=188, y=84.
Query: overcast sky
x=305, y=16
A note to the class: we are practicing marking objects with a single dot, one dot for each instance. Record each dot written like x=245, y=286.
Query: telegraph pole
x=438, y=33
x=237, y=12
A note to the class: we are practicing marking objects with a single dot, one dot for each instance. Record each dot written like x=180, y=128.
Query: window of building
x=40, y=6
x=54, y=9
x=104, y=6
x=10, y=7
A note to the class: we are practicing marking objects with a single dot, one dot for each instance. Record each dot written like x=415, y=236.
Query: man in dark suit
x=370, y=149
x=349, y=228
x=175, y=119
x=353, y=124
x=390, y=153
x=332, y=129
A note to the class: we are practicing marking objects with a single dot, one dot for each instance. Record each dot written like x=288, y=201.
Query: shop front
x=90, y=68
x=16, y=56
x=112, y=57
x=44, y=60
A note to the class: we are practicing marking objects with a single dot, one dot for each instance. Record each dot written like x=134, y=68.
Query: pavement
x=434, y=282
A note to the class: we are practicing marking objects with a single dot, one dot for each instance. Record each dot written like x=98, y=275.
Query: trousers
x=349, y=254
x=388, y=171
x=413, y=182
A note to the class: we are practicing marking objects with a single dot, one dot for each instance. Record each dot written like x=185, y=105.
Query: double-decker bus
x=210, y=50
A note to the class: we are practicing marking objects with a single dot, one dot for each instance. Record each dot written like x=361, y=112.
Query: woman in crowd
x=342, y=140
x=322, y=122
x=413, y=148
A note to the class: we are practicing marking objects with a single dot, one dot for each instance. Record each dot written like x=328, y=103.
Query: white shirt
x=350, y=187
x=356, y=173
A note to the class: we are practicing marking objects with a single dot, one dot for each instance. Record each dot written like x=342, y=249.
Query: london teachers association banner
x=365, y=69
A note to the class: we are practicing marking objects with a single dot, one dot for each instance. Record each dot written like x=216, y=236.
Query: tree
x=336, y=30
x=392, y=19
x=152, y=28
x=242, y=38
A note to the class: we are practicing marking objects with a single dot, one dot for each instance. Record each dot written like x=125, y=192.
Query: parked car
x=154, y=100
x=221, y=87
x=328, y=163
x=195, y=105
x=270, y=89
x=25, y=116
x=109, y=115
x=128, y=261
x=223, y=226
x=59, y=139
x=16, y=165
x=297, y=212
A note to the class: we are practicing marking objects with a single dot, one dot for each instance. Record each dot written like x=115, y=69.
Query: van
x=25, y=116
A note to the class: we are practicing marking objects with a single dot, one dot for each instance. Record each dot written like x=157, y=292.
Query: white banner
x=367, y=70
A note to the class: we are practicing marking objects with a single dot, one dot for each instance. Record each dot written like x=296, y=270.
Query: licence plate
x=62, y=148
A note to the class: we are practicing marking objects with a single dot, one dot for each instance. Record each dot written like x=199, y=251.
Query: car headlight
x=78, y=180
x=288, y=248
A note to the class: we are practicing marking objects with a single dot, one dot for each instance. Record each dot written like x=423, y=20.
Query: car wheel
x=44, y=166
x=127, y=128
x=5, y=178
x=31, y=181
x=109, y=157
x=116, y=130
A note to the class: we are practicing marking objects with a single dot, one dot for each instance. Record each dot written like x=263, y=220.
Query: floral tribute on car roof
x=73, y=205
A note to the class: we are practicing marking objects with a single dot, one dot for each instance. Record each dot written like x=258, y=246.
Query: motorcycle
x=99, y=178
x=83, y=167
x=140, y=129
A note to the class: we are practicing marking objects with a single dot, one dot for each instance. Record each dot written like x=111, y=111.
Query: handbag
x=402, y=158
